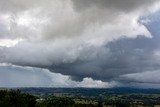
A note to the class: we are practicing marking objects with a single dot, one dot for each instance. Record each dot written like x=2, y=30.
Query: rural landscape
x=79, y=97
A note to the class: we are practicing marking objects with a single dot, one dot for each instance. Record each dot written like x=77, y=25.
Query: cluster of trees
x=12, y=98
x=15, y=98
x=118, y=103
x=132, y=100
x=56, y=102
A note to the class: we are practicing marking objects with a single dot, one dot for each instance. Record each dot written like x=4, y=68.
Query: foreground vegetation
x=11, y=98
x=16, y=98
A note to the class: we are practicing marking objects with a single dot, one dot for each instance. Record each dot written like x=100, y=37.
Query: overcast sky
x=80, y=43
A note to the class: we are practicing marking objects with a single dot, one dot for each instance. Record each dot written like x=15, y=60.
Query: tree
x=14, y=98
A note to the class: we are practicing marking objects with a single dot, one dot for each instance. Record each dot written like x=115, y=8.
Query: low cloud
x=18, y=76
x=144, y=77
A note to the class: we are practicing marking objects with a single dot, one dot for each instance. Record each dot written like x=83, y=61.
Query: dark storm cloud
x=120, y=5
x=125, y=56
x=82, y=38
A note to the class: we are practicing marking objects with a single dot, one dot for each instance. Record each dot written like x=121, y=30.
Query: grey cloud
x=119, y=5
x=146, y=79
x=108, y=63
x=98, y=39
x=143, y=77
x=70, y=22
x=15, y=6
x=124, y=5
x=124, y=56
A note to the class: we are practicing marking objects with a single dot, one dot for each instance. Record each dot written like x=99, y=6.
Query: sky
x=80, y=43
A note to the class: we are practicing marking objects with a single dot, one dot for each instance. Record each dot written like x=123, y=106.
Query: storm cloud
x=86, y=40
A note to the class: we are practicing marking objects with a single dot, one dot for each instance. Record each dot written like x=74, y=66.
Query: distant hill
x=88, y=91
